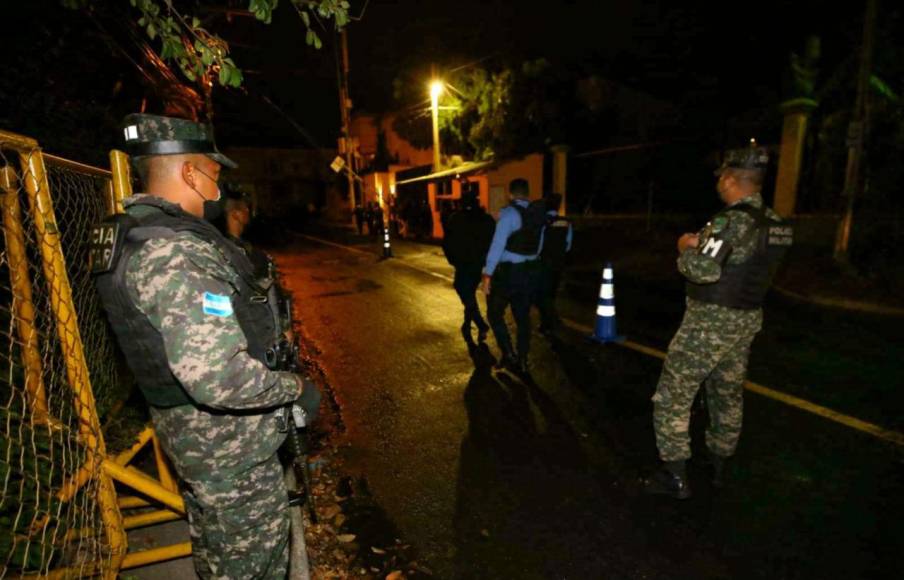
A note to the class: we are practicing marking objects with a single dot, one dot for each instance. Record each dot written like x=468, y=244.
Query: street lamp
x=436, y=89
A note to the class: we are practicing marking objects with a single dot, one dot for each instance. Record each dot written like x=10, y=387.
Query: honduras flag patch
x=217, y=305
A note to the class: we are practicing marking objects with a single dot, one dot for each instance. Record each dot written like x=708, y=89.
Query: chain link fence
x=53, y=513
x=81, y=199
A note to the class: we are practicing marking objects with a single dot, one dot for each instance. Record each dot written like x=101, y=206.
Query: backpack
x=526, y=241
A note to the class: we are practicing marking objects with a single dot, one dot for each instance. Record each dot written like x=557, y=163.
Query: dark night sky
x=715, y=58
x=691, y=55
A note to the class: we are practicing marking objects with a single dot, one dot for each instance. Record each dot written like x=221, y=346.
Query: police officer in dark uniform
x=467, y=238
x=359, y=219
x=728, y=267
x=557, y=240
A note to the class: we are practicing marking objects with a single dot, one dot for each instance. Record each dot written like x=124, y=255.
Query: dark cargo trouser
x=514, y=284
x=550, y=278
x=467, y=279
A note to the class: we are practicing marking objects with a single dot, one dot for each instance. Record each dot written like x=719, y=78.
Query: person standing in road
x=371, y=214
x=467, y=238
x=557, y=240
x=511, y=271
x=728, y=267
x=424, y=220
x=359, y=219
x=196, y=327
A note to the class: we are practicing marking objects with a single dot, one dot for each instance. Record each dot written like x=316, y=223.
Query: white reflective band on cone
x=605, y=311
x=386, y=245
x=607, y=274
x=606, y=292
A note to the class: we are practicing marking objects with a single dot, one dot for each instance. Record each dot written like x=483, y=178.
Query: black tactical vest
x=116, y=240
x=555, y=241
x=526, y=241
x=744, y=286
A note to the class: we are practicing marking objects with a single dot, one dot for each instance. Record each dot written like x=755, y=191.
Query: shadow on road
x=529, y=504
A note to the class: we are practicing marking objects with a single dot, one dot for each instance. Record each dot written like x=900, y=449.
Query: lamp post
x=436, y=89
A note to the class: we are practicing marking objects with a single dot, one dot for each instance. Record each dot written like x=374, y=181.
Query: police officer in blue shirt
x=510, y=276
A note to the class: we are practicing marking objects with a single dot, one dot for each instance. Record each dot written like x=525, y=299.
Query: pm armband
x=715, y=248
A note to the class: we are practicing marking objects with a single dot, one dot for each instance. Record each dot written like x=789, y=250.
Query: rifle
x=293, y=419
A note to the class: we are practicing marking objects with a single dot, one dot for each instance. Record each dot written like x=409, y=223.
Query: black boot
x=670, y=480
x=508, y=360
x=482, y=330
x=718, y=463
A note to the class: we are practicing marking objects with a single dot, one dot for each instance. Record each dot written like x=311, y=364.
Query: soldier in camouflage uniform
x=728, y=267
x=181, y=299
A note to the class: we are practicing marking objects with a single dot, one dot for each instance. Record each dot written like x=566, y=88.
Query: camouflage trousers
x=711, y=347
x=240, y=527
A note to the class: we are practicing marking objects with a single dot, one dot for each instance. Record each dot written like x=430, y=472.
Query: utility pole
x=857, y=132
x=345, y=105
x=436, y=89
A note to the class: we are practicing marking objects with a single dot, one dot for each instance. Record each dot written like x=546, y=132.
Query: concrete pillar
x=560, y=172
x=794, y=132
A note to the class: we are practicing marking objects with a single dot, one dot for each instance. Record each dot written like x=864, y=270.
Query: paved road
x=493, y=477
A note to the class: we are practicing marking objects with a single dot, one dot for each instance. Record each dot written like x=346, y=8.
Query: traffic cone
x=387, y=248
x=604, y=331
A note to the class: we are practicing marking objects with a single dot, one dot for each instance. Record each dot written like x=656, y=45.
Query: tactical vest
x=526, y=240
x=555, y=240
x=116, y=240
x=265, y=269
x=744, y=286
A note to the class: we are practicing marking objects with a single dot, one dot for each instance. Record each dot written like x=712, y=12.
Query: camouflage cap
x=147, y=135
x=748, y=158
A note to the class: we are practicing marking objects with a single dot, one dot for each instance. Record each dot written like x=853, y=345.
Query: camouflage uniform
x=712, y=347
x=224, y=446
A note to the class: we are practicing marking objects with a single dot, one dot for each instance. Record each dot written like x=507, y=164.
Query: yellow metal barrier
x=122, y=179
x=21, y=287
x=60, y=512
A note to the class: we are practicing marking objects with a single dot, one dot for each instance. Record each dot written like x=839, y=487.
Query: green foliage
x=485, y=114
x=202, y=56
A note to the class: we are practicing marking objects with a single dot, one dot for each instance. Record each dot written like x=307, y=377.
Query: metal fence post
x=122, y=179
x=53, y=262
x=23, y=304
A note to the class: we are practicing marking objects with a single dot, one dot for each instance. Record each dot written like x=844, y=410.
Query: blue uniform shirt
x=509, y=223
